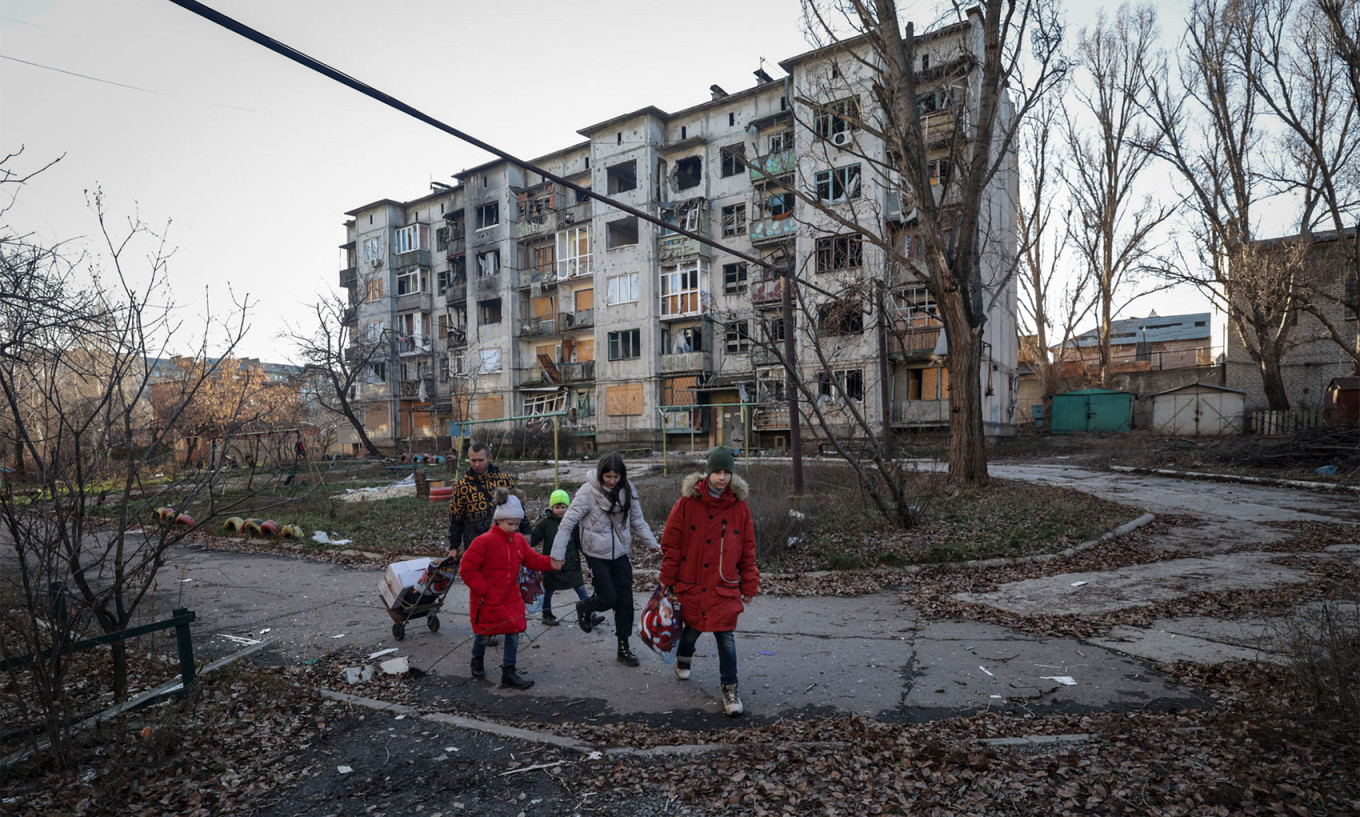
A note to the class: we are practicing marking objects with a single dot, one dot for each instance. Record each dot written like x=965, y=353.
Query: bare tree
x=958, y=178
x=1208, y=132
x=1054, y=296
x=74, y=399
x=337, y=360
x=1114, y=233
x=1306, y=81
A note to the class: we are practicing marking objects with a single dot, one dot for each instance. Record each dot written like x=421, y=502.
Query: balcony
x=415, y=301
x=763, y=356
x=349, y=317
x=413, y=258
x=773, y=229
x=916, y=342
x=687, y=362
x=920, y=412
x=766, y=168
x=349, y=276
x=691, y=215
x=938, y=126
x=413, y=344
x=770, y=417
x=411, y=389
x=580, y=319
x=457, y=337
x=575, y=214
x=577, y=372
x=767, y=291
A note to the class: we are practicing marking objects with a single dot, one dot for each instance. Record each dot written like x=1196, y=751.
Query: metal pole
x=746, y=434
x=884, y=394
x=665, y=458
x=186, y=646
x=791, y=385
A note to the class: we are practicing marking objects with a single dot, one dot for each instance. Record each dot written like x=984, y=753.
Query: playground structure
x=248, y=449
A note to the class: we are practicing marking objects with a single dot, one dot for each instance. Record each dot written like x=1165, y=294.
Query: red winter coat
x=708, y=554
x=490, y=569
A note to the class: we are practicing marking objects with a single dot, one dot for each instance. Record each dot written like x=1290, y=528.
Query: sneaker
x=550, y=620
x=731, y=702
x=514, y=679
x=584, y=619
x=682, y=668
x=478, y=671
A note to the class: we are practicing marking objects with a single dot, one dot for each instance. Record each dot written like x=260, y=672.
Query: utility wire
x=293, y=54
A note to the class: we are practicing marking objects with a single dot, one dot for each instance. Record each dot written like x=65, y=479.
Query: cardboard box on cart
x=400, y=576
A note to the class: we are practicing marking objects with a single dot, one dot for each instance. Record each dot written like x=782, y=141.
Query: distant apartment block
x=506, y=295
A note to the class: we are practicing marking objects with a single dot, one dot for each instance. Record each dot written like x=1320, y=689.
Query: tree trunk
x=1273, y=381
x=967, y=443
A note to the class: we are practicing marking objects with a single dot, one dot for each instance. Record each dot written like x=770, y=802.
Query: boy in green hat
x=570, y=577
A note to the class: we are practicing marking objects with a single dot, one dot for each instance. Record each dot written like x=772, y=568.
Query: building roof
x=1209, y=386
x=1152, y=329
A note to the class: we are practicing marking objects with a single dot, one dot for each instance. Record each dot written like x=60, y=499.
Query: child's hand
x=557, y=564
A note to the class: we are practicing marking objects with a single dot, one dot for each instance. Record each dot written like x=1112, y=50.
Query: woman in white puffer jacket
x=607, y=509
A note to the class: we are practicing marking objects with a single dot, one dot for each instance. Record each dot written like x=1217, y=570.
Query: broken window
x=940, y=170
x=542, y=258
x=625, y=345
x=772, y=328
x=621, y=233
x=851, y=382
x=840, y=116
x=489, y=311
x=838, y=184
x=918, y=308
x=734, y=220
x=417, y=280
x=488, y=361
x=733, y=160
x=840, y=318
x=839, y=252
x=682, y=341
x=781, y=141
x=458, y=269
x=688, y=172
x=488, y=215
x=441, y=238
x=488, y=263
x=583, y=194
x=738, y=336
x=734, y=278
x=536, y=204
x=622, y=177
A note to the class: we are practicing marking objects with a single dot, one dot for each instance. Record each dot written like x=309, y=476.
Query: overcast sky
x=255, y=159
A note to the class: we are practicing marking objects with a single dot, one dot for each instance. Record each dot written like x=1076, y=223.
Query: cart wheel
x=433, y=621
x=398, y=631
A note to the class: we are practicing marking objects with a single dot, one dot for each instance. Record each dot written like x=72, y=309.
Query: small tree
x=75, y=414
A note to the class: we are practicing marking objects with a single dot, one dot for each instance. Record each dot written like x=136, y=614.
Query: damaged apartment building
x=506, y=296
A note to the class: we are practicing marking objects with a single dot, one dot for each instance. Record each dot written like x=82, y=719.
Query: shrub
x=1322, y=645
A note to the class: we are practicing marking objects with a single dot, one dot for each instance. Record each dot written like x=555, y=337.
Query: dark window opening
x=734, y=278
x=625, y=345
x=839, y=252
x=738, y=336
x=840, y=318
x=621, y=233
x=688, y=172
x=733, y=160
x=621, y=177
x=582, y=195
x=489, y=311
x=851, y=382
x=734, y=220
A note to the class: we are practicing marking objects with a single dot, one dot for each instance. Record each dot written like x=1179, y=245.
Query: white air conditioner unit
x=843, y=139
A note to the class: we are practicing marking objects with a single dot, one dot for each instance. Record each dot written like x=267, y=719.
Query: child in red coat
x=490, y=568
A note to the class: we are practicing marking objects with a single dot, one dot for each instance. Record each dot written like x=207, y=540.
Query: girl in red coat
x=490, y=569
x=708, y=555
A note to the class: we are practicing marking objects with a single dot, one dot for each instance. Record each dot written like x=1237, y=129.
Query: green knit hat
x=720, y=458
x=559, y=497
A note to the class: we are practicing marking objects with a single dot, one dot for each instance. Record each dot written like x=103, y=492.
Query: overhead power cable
x=364, y=88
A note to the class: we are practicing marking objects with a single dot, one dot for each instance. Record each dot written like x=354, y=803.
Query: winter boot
x=514, y=679
x=584, y=618
x=682, y=663
x=731, y=702
x=626, y=655
x=478, y=671
x=596, y=619
x=549, y=619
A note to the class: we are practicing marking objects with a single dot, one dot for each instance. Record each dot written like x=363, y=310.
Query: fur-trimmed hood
x=690, y=487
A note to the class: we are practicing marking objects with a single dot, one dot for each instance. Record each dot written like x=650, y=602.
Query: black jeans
x=613, y=590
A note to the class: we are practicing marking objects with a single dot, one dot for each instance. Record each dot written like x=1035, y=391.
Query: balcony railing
x=349, y=316
x=457, y=337
x=410, y=389
x=349, y=276
x=413, y=258
x=579, y=319
x=764, y=168
x=920, y=412
x=766, y=291
x=686, y=362
x=770, y=416
x=413, y=344
x=577, y=372
x=773, y=229
x=917, y=341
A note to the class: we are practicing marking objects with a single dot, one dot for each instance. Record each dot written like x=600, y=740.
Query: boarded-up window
x=375, y=419
x=928, y=384
x=490, y=407
x=544, y=307
x=585, y=350
x=461, y=407
x=679, y=391
x=585, y=299
x=549, y=349
x=623, y=400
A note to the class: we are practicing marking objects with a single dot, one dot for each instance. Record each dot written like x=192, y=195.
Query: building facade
x=508, y=296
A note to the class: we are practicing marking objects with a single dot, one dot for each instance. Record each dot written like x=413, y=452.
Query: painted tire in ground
x=269, y=528
x=234, y=524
